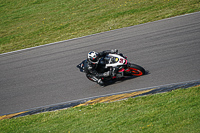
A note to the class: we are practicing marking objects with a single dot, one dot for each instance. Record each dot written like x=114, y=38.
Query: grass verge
x=174, y=112
x=29, y=23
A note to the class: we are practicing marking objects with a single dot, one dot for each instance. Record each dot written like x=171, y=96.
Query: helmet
x=93, y=57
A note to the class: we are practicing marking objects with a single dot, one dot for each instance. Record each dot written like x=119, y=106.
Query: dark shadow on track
x=115, y=81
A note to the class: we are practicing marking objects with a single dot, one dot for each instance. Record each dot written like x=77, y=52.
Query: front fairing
x=114, y=60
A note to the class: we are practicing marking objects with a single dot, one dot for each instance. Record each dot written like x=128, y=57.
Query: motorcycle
x=112, y=61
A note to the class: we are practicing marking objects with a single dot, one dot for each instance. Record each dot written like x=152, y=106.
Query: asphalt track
x=169, y=49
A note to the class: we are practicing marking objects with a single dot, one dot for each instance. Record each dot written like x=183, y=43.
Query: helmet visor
x=94, y=59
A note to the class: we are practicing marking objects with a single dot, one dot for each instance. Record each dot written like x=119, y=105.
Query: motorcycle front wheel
x=136, y=70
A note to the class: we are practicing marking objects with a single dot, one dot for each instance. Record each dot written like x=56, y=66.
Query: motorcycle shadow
x=115, y=81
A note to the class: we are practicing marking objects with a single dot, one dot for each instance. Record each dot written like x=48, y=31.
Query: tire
x=136, y=70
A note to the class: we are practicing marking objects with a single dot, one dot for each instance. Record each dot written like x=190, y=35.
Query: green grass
x=28, y=23
x=172, y=112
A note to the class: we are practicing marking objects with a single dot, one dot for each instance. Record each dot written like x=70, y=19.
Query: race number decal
x=121, y=60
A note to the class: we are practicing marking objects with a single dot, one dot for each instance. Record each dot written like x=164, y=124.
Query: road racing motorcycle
x=124, y=68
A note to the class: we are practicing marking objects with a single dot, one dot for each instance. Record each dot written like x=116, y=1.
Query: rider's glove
x=112, y=72
x=106, y=74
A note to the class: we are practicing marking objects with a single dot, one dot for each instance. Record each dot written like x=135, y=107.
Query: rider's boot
x=100, y=82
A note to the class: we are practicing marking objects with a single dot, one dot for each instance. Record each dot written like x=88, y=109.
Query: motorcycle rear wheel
x=136, y=70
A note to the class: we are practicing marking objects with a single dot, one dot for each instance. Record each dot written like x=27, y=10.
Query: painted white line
x=94, y=34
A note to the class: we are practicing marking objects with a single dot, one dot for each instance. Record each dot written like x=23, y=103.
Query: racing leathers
x=98, y=71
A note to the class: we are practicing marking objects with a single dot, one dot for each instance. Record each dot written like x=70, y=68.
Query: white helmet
x=93, y=57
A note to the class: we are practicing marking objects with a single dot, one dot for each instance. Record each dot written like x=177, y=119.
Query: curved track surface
x=169, y=49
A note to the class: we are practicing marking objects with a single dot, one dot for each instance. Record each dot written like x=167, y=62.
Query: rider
x=94, y=68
